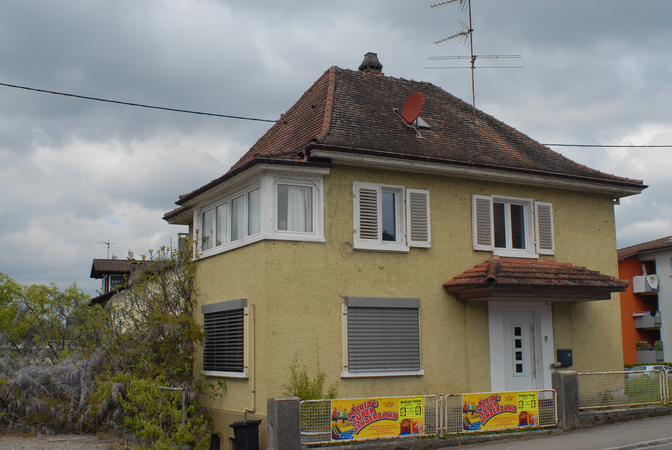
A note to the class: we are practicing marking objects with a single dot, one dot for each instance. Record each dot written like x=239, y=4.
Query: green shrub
x=301, y=385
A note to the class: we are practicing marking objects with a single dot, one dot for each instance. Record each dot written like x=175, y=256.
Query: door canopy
x=516, y=279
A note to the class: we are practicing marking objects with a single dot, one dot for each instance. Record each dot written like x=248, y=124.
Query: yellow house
x=406, y=243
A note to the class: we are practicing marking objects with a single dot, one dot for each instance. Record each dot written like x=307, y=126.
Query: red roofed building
x=443, y=253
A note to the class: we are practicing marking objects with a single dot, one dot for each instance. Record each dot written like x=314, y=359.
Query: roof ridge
x=329, y=105
x=389, y=77
x=494, y=266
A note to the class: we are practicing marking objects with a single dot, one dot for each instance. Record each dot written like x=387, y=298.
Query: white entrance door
x=519, y=350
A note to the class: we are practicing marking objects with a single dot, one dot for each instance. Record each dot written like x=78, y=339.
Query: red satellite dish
x=412, y=107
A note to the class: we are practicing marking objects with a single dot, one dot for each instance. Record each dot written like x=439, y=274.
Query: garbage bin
x=246, y=434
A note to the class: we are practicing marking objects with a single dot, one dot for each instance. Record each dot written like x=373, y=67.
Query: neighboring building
x=115, y=274
x=646, y=307
x=451, y=254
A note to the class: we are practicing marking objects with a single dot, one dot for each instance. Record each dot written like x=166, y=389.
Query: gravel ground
x=15, y=441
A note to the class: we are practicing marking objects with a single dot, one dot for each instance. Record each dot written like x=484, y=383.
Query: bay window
x=274, y=205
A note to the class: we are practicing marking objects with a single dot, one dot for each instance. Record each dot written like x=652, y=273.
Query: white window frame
x=227, y=243
x=267, y=182
x=230, y=305
x=528, y=224
x=382, y=303
x=538, y=216
x=406, y=214
x=317, y=209
x=201, y=237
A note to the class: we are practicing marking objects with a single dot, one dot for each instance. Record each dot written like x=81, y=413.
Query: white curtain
x=299, y=207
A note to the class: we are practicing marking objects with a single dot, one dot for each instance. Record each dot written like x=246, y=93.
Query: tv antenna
x=465, y=35
x=109, y=244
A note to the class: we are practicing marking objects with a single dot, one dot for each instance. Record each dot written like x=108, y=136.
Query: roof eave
x=472, y=170
x=534, y=294
x=185, y=201
x=181, y=216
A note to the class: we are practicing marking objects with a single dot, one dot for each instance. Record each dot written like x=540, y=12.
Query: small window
x=116, y=282
x=509, y=223
x=224, y=348
x=512, y=227
x=383, y=337
x=390, y=217
x=295, y=208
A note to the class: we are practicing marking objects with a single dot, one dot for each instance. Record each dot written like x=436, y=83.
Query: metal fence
x=604, y=390
x=442, y=415
x=547, y=406
x=316, y=420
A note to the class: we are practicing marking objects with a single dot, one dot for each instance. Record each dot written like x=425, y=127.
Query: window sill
x=382, y=248
x=258, y=238
x=216, y=373
x=287, y=236
x=514, y=254
x=402, y=373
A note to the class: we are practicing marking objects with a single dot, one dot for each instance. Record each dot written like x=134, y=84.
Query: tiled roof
x=657, y=244
x=353, y=111
x=506, y=278
x=101, y=267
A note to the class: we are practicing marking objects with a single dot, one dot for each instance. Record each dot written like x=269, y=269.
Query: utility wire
x=137, y=104
x=226, y=116
x=610, y=146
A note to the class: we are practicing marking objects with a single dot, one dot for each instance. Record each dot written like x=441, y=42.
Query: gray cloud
x=74, y=173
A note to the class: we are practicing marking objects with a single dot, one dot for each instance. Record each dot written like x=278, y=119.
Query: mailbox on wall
x=565, y=357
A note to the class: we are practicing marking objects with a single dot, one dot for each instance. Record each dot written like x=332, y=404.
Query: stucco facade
x=296, y=292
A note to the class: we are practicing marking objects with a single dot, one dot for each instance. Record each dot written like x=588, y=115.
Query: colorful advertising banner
x=496, y=410
x=376, y=417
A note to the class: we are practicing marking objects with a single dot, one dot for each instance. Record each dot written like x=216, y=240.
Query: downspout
x=252, y=363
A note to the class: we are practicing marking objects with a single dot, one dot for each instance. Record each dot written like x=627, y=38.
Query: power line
x=610, y=146
x=226, y=116
x=136, y=104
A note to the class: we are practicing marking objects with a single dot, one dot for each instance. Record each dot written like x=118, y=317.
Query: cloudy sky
x=75, y=173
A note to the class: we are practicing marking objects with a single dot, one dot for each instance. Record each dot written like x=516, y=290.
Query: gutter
x=638, y=184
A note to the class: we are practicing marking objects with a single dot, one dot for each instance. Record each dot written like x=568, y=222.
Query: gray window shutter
x=367, y=213
x=544, y=228
x=383, y=339
x=417, y=218
x=482, y=222
x=224, y=341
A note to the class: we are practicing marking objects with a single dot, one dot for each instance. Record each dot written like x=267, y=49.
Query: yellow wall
x=297, y=288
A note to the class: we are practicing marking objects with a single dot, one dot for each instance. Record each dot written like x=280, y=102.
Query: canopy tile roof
x=656, y=244
x=532, y=280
